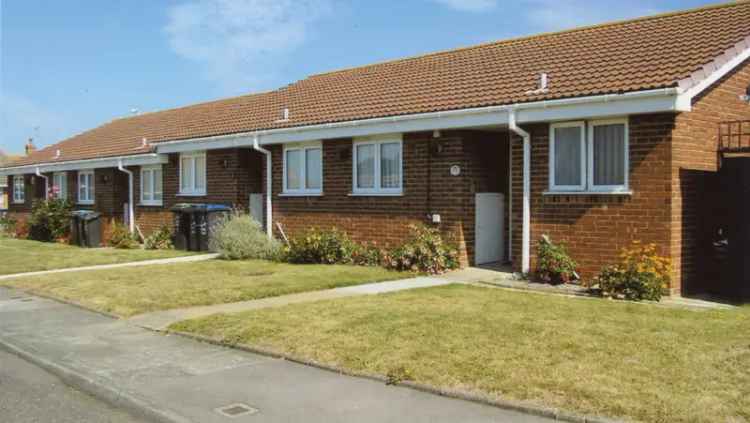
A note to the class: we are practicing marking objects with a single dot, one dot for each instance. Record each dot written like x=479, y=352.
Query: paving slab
x=160, y=320
x=187, y=381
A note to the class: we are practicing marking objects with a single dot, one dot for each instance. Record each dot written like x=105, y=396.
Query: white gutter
x=526, y=228
x=269, y=185
x=134, y=160
x=131, y=208
x=660, y=100
x=46, y=183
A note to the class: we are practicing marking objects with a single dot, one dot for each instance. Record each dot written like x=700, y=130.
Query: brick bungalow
x=593, y=136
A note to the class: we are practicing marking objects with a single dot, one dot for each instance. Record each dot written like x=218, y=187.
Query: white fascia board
x=661, y=100
x=711, y=73
x=138, y=160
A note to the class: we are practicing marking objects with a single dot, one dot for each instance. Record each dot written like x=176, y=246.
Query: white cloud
x=241, y=43
x=469, y=5
x=554, y=15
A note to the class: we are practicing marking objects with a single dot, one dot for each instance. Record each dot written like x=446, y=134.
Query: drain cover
x=236, y=410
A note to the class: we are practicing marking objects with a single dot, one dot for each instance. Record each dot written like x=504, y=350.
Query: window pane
x=366, y=166
x=156, y=176
x=390, y=158
x=293, y=167
x=200, y=173
x=609, y=154
x=186, y=169
x=90, y=186
x=146, y=186
x=567, y=163
x=313, y=162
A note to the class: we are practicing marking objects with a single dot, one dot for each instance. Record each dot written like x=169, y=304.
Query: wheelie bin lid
x=86, y=214
x=188, y=207
x=217, y=207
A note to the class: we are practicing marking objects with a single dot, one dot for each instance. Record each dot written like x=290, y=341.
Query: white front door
x=489, y=230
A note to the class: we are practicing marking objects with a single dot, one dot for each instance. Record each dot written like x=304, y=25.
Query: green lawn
x=135, y=290
x=19, y=255
x=633, y=361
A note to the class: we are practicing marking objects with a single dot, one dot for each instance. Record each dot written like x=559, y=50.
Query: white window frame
x=588, y=159
x=626, y=158
x=192, y=190
x=377, y=142
x=89, y=198
x=303, y=190
x=153, y=169
x=19, y=189
x=552, y=185
x=61, y=185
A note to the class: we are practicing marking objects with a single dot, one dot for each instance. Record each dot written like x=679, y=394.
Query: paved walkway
x=176, y=379
x=186, y=259
x=160, y=320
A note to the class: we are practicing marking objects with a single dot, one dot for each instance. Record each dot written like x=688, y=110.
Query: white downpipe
x=131, y=208
x=526, y=229
x=510, y=199
x=46, y=182
x=269, y=184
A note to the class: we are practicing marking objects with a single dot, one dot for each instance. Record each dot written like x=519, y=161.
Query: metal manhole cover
x=236, y=410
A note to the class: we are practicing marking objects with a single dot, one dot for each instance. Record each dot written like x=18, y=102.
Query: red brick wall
x=695, y=141
x=596, y=227
x=385, y=220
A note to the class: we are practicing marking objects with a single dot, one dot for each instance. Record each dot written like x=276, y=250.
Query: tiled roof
x=640, y=54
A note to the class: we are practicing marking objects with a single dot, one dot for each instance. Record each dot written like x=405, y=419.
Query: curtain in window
x=390, y=157
x=82, y=187
x=156, y=177
x=366, y=166
x=147, y=186
x=186, y=170
x=567, y=165
x=313, y=161
x=609, y=154
x=200, y=173
x=293, y=166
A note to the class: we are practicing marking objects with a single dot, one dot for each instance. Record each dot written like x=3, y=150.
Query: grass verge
x=135, y=290
x=632, y=361
x=20, y=255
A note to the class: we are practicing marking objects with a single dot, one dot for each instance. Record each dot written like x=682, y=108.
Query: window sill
x=191, y=194
x=376, y=194
x=624, y=193
x=150, y=204
x=300, y=194
x=85, y=203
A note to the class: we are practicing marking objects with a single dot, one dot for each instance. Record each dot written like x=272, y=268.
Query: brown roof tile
x=640, y=54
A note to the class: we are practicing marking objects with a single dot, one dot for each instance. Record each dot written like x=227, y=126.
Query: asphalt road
x=28, y=394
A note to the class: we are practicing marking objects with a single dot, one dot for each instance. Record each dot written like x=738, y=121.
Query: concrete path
x=174, y=379
x=186, y=259
x=160, y=320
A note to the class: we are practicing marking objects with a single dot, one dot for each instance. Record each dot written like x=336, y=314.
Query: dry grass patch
x=20, y=256
x=135, y=290
x=639, y=362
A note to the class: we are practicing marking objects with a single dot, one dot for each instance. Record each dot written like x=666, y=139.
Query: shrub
x=239, y=236
x=8, y=226
x=367, y=255
x=321, y=247
x=160, y=239
x=121, y=238
x=425, y=251
x=554, y=265
x=50, y=220
x=642, y=275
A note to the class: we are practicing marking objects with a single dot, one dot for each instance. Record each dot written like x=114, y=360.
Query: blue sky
x=67, y=66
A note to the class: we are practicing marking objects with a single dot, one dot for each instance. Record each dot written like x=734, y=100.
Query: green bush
x=367, y=255
x=160, y=239
x=122, y=238
x=641, y=275
x=425, y=251
x=316, y=246
x=50, y=220
x=239, y=237
x=554, y=265
x=8, y=226
x=629, y=284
